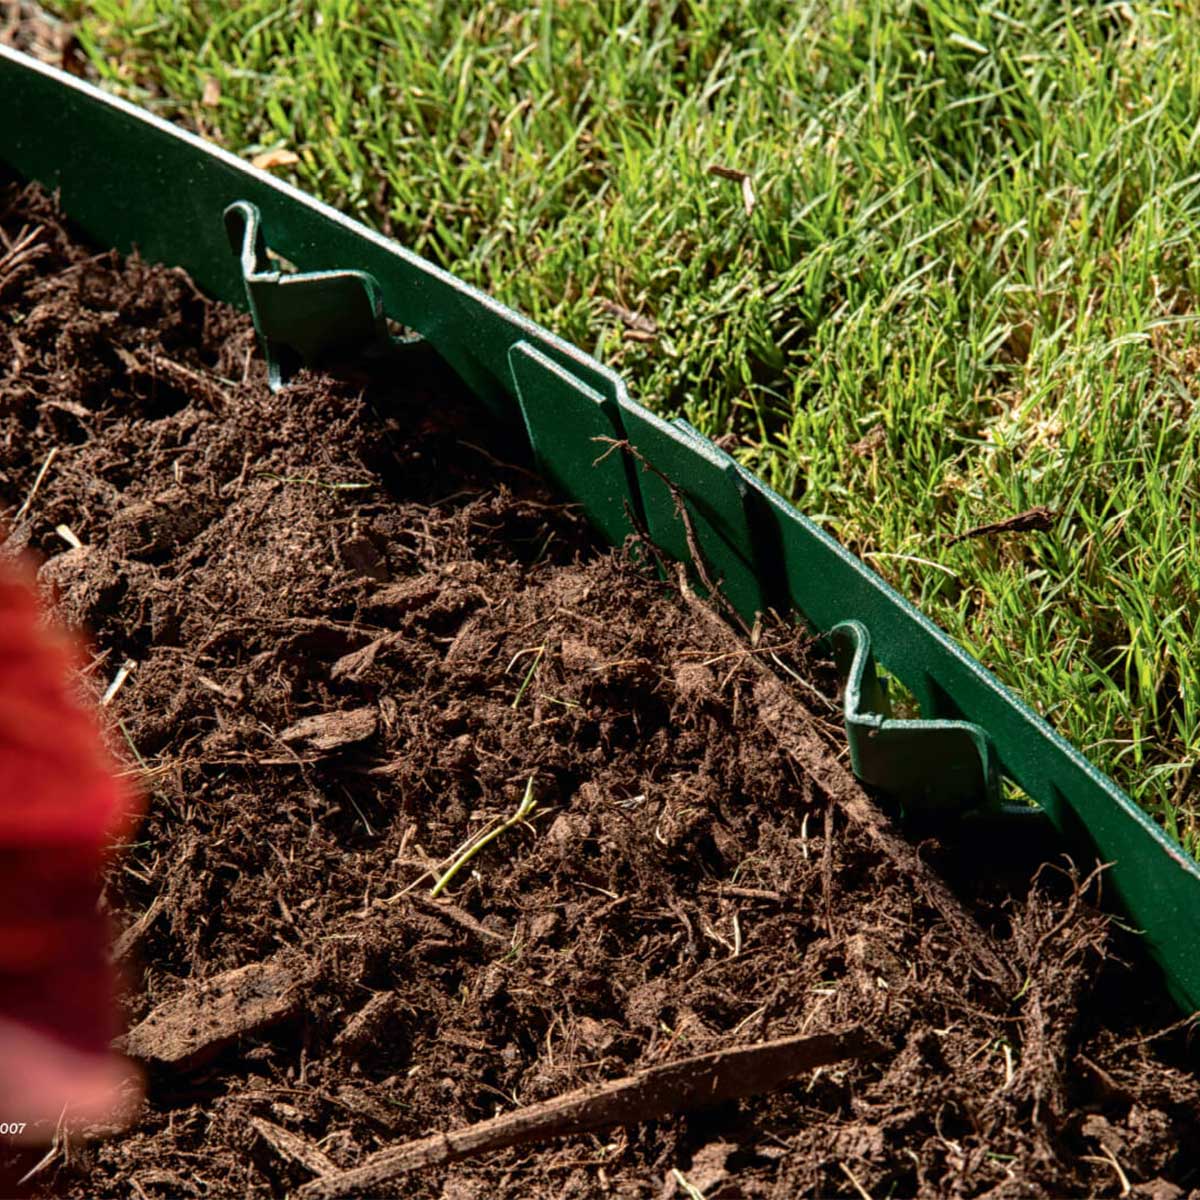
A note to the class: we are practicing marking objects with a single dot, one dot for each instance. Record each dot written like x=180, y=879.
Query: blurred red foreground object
x=60, y=805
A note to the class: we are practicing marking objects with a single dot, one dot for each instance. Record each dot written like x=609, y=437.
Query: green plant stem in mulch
x=527, y=805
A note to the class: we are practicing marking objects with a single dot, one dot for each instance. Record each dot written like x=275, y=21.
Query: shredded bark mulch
x=354, y=633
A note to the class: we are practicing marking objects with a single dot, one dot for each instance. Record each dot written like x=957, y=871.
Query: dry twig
x=294, y=1148
x=657, y=1092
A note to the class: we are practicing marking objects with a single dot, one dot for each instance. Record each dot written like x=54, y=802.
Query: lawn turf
x=965, y=286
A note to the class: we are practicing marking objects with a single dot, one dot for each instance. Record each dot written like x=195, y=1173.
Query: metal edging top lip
x=1108, y=807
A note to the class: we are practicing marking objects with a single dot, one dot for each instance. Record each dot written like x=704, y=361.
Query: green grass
x=974, y=236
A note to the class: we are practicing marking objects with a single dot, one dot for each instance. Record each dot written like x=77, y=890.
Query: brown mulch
x=353, y=633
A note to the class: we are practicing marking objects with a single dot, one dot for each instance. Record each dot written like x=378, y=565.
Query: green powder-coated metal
x=301, y=317
x=130, y=180
x=571, y=427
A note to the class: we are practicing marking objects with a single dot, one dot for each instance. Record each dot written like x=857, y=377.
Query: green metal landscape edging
x=129, y=179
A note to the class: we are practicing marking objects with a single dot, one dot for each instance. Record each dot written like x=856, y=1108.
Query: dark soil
x=358, y=634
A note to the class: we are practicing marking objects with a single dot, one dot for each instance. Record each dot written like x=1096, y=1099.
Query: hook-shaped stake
x=302, y=318
x=930, y=766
